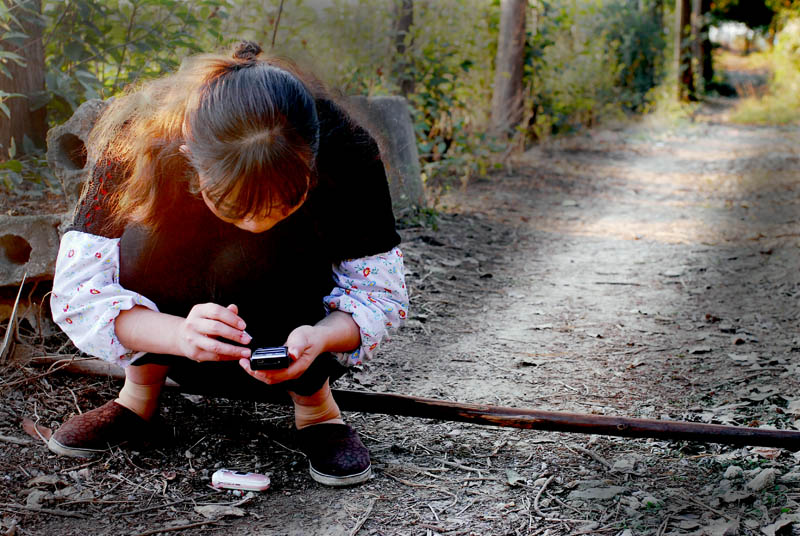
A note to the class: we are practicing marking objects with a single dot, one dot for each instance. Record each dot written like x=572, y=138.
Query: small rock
x=790, y=477
x=762, y=480
x=513, y=478
x=784, y=520
x=597, y=493
x=751, y=523
x=650, y=502
x=735, y=496
x=216, y=511
x=539, y=482
x=733, y=471
x=66, y=493
x=46, y=480
x=722, y=527
x=36, y=497
x=624, y=465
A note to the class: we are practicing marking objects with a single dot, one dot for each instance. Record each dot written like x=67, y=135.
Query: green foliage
x=29, y=172
x=94, y=48
x=12, y=17
x=781, y=104
x=591, y=61
x=449, y=56
x=586, y=61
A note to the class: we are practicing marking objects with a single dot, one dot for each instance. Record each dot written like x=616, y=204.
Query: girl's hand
x=198, y=333
x=305, y=344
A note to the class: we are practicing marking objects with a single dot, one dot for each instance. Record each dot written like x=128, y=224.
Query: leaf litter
x=524, y=337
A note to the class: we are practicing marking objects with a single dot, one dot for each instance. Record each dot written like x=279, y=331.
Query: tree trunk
x=405, y=19
x=697, y=57
x=706, y=61
x=26, y=80
x=536, y=18
x=507, y=101
x=683, y=52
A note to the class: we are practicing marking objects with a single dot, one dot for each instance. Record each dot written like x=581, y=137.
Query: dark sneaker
x=336, y=456
x=95, y=431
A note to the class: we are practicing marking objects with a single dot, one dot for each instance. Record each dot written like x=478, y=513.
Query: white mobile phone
x=227, y=479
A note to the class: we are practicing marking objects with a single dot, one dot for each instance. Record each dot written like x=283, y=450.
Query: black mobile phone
x=276, y=357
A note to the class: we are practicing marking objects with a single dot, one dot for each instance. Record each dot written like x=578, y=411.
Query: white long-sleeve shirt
x=87, y=297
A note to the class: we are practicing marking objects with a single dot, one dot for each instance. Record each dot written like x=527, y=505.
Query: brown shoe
x=96, y=431
x=336, y=455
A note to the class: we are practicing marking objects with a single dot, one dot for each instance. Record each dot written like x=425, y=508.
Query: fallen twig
x=50, y=511
x=463, y=467
x=593, y=455
x=14, y=440
x=141, y=510
x=707, y=507
x=553, y=519
x=363, y=518
x=6, y=345
x=179, y=527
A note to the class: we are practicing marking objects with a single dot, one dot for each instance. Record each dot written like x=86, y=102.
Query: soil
x=645, y=271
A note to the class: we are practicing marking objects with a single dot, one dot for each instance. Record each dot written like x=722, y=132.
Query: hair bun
x=246, y=50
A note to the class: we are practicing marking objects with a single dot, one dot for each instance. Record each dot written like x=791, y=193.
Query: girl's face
x=255, y=223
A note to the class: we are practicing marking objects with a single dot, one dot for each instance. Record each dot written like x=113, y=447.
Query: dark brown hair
x=249, y=126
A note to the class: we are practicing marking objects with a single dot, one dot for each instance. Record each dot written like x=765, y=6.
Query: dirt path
x=649, y=271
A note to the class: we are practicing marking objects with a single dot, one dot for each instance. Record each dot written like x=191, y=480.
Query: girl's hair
x=242, y=129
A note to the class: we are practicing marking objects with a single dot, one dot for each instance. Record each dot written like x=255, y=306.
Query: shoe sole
x=340, y=481
x=75, y=452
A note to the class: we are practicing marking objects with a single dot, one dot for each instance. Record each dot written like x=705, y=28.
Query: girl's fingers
x=222, y=351
x=295, y=370
x=220, y=329
x=223, y=314
x=257, y=374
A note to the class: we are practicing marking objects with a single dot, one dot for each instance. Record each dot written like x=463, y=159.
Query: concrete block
x=388, y=119
x=66, y=148
x=28, y=244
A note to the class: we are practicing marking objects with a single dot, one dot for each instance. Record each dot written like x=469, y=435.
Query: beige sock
x=325, y=412
x=141, y=399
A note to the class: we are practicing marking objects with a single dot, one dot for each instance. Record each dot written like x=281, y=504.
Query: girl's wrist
x=338, y=332
x=324, y=337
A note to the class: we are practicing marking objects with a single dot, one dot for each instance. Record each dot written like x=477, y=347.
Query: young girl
x=232, y=206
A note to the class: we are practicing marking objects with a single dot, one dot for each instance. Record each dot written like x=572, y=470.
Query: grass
x=767, y=110
x=775, y=103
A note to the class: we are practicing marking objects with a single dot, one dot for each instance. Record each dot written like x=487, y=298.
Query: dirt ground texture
x=646, y=271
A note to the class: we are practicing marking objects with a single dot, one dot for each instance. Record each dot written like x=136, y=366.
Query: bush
x=592, y=61
x=781, y=103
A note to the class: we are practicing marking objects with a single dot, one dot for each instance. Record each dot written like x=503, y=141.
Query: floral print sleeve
x=373, y=290
x=87, y=296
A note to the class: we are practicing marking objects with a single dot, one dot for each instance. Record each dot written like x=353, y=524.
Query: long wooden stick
x=557, y=421
x=553, y=421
